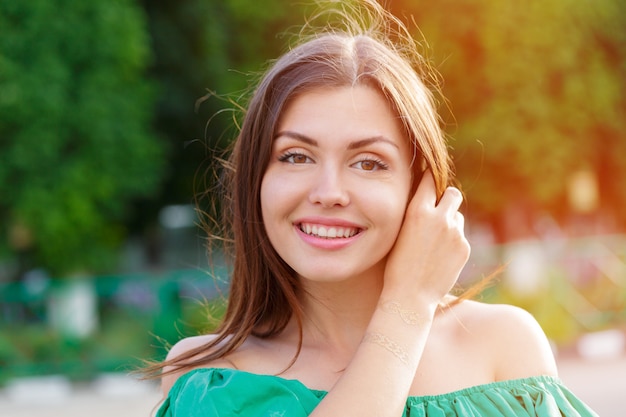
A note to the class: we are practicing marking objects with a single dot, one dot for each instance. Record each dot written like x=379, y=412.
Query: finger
x=451, y=199
x=426, y=192
x=460, y=222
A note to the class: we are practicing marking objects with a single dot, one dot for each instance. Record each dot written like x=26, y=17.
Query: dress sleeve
x=226, y=393
x=530, y=397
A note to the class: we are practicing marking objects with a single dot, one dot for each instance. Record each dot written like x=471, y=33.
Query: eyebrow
x=353, y=145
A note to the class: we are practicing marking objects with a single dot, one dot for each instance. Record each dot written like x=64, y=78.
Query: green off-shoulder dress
x=228, y=392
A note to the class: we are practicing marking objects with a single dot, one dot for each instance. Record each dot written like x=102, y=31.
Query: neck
x=337, y=314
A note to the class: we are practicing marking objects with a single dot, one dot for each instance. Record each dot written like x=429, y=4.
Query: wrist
x=422, y=305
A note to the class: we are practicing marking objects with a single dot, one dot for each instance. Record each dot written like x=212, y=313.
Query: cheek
x=399, y=201
x=277, y=195
x=265, y=196
x=268, y=208
x=396, y=216
x=388, y=206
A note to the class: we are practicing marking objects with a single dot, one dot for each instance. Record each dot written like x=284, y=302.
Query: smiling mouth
x=328, y=232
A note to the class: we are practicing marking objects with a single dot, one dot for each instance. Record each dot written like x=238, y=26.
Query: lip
x=328, y=243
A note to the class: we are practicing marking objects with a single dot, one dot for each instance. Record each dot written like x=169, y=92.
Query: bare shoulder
x=181, y=348
x=512, y=337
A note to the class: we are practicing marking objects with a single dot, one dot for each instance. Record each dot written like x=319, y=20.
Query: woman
x=347, y=240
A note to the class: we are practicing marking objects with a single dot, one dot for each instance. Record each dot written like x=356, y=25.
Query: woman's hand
x=431, y=248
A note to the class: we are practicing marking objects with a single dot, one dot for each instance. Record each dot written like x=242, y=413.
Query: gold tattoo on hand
x=408, y=316
x=391, y=346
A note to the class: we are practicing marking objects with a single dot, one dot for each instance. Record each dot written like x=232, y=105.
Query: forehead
x=343, y=112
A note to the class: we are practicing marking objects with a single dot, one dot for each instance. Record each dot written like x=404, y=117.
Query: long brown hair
x=370, y=47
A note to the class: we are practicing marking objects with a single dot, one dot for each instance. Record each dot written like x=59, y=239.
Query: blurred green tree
x=75, y=137
x=203, y=46
x=537, y=92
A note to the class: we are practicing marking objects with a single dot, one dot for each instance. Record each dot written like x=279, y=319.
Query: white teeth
x=328, y=232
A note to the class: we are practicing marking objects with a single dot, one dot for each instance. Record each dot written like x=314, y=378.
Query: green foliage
x=75, y=112
x=35, y=349
x=202, y=317
x=537, y=91
x=203, y=46
x=139, y=318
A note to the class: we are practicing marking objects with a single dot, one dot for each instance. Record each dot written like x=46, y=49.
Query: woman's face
x=335, y=191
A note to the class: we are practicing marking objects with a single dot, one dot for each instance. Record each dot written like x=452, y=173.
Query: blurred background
x=105, y=141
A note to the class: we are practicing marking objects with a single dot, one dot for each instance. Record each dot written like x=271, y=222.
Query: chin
x=330, y=275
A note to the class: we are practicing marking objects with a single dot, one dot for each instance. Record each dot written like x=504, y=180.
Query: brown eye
x=368, y=165
x=371, y=165
x=299, y=159
x=295, y=158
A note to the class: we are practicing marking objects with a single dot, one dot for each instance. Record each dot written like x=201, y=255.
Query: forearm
x=378, y=379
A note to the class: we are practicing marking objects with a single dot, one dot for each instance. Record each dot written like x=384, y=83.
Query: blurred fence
x=572, y=286
x=82, y=327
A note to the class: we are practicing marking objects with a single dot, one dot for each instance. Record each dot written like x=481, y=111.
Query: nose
x=329, y=189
